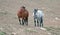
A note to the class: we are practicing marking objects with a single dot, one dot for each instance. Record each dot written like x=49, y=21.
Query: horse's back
x=39, y=13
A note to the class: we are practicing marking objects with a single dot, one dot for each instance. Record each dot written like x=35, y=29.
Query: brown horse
x=23, y=14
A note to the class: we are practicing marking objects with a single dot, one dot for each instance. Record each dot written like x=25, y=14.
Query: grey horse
x=38, y=17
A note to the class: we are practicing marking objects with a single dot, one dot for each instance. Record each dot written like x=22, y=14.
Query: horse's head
x=23, y=8
x=35, y=10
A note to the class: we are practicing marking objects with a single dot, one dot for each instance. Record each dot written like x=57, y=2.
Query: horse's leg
x=35, y=21
x=41, y=22
x=27, y=21
x=22, y=21
x=19, y=21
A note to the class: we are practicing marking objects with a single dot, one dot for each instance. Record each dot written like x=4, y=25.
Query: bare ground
x=9, y=21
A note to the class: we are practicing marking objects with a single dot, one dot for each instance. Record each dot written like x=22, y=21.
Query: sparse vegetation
x=30, y=30
x=48, y=29
x=3, y=13
x=2, y=33
x=53, y=31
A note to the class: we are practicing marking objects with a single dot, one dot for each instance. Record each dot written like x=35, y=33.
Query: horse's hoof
x=26, y=25
x=20, y=23
x=35, y=25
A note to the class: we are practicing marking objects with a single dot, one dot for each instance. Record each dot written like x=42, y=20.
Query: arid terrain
x=9, y=23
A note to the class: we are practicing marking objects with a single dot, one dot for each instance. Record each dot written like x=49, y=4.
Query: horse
x=38, y=17
x=23, y=14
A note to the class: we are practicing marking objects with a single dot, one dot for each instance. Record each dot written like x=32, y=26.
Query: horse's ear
x=34, y=9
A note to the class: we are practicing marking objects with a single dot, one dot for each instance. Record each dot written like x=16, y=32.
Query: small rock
x=13, y=34
x=56, y=18
x=49, y=33
x=42, y=28
x=1, y=28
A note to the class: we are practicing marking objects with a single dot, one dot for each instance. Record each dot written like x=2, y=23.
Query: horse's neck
x=39, y=13
x=34, y=12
